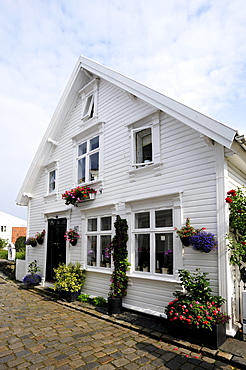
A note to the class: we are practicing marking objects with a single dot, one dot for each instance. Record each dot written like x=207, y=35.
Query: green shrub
x=3, y=254
x=95, y=301
x=20, y=243
x=3, y=243
x=21, y=255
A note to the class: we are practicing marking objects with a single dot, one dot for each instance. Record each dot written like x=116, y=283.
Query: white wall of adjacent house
x=183, y=178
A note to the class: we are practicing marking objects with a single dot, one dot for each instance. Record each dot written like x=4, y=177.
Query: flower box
x=78, y=195
x=204, y=337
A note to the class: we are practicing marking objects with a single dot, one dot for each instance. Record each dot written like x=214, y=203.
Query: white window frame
x=134, y=133
x=87, y=159
x=152, y=231
x=150, y=122
x=96, y=129
x=51, y=182
x=98, y=234
x=53, y=166
x=89, y=109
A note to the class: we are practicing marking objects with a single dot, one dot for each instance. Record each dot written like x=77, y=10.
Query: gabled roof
x=209, y=127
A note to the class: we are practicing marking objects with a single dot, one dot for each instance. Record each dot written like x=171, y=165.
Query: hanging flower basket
x=31, y=241
x=78, y=195
x=186, y=232
x=203, y=242
x=40, y=237
x=71, y=236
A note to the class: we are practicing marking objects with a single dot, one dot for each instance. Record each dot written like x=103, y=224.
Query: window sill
x=148, y=167
x=50, y=195
x=156, y=277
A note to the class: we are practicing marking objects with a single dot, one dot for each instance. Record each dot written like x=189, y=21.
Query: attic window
x=89, y=100
x=88, y=111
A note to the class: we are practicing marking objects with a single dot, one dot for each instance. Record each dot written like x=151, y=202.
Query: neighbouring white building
x=7, y=223
x=153, y=161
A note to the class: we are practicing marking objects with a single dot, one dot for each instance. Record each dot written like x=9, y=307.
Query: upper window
x=52, y=181
x=143, y=146
x=3, y=229
x=153, y=235
x=99, y=234
x=89, y=100
x=88, y=160
x=88, y=111
x=145, y=141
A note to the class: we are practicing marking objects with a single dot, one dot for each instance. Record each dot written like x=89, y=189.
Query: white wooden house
x=7, y=223
x=151, y=160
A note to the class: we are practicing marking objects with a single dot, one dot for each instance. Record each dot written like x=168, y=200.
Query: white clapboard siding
x=188, y=165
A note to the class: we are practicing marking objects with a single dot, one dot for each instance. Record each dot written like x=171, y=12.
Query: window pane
x=94, y=143
x=144, y=146
x=88, y=106
x=52, y=181
x=81, y=170
x=164, y=253
x=164, y=218
x=142, y=252
x=94, y=166
x=91, y=250
x=106, y=223
x=92, y=224
x=82, y=149
x=105, y=254
x=142, y=220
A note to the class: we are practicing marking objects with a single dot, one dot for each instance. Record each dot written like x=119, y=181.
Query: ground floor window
x=99, y=235
x=153, y=238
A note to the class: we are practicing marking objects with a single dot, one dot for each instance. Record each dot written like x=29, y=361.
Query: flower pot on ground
x=213, y=338
x=69, y=296
x=119, y=279
x=114, y=305
x=69, y=278
x=195, y=310
x=32, y=278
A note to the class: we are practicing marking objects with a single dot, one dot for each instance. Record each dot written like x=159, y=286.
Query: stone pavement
x=37, y=332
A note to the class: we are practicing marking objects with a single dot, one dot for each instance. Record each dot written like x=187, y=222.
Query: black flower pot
x=69, y=296
x=33, y=244
x=114, y=305
x=40, y=240
x=73, y=242
x=204, y=337
x=185, y=240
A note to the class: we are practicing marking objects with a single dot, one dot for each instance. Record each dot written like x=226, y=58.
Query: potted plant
x=72, y=236
x=92, y=258
x=31, y=241
x=32, y=278
x=203, y=242
x=236, y=200
x=69, y=280
x=195, y=314
x=168, y=262
x=107, y=256
x=40, y=237
x=119, y=279
x=78, y=195
x=186, y=232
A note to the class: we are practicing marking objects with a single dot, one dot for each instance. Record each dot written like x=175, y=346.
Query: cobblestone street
x=37, y=333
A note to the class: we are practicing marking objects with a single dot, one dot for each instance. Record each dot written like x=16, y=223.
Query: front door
x=56, y=245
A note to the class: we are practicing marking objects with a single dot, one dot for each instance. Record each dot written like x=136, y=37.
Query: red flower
x=232, y=193
x=228, y=200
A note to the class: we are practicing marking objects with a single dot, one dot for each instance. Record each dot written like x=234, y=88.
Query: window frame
x=90, y=90
x=87, y=156
x=100, y=262
x=134, y=133
x=50, y=181
x=152, y=231
x=148, y=122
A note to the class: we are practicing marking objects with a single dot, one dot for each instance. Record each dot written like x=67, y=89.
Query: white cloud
x=191, y=50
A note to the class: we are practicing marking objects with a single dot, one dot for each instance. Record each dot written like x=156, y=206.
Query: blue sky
x=193, y=51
